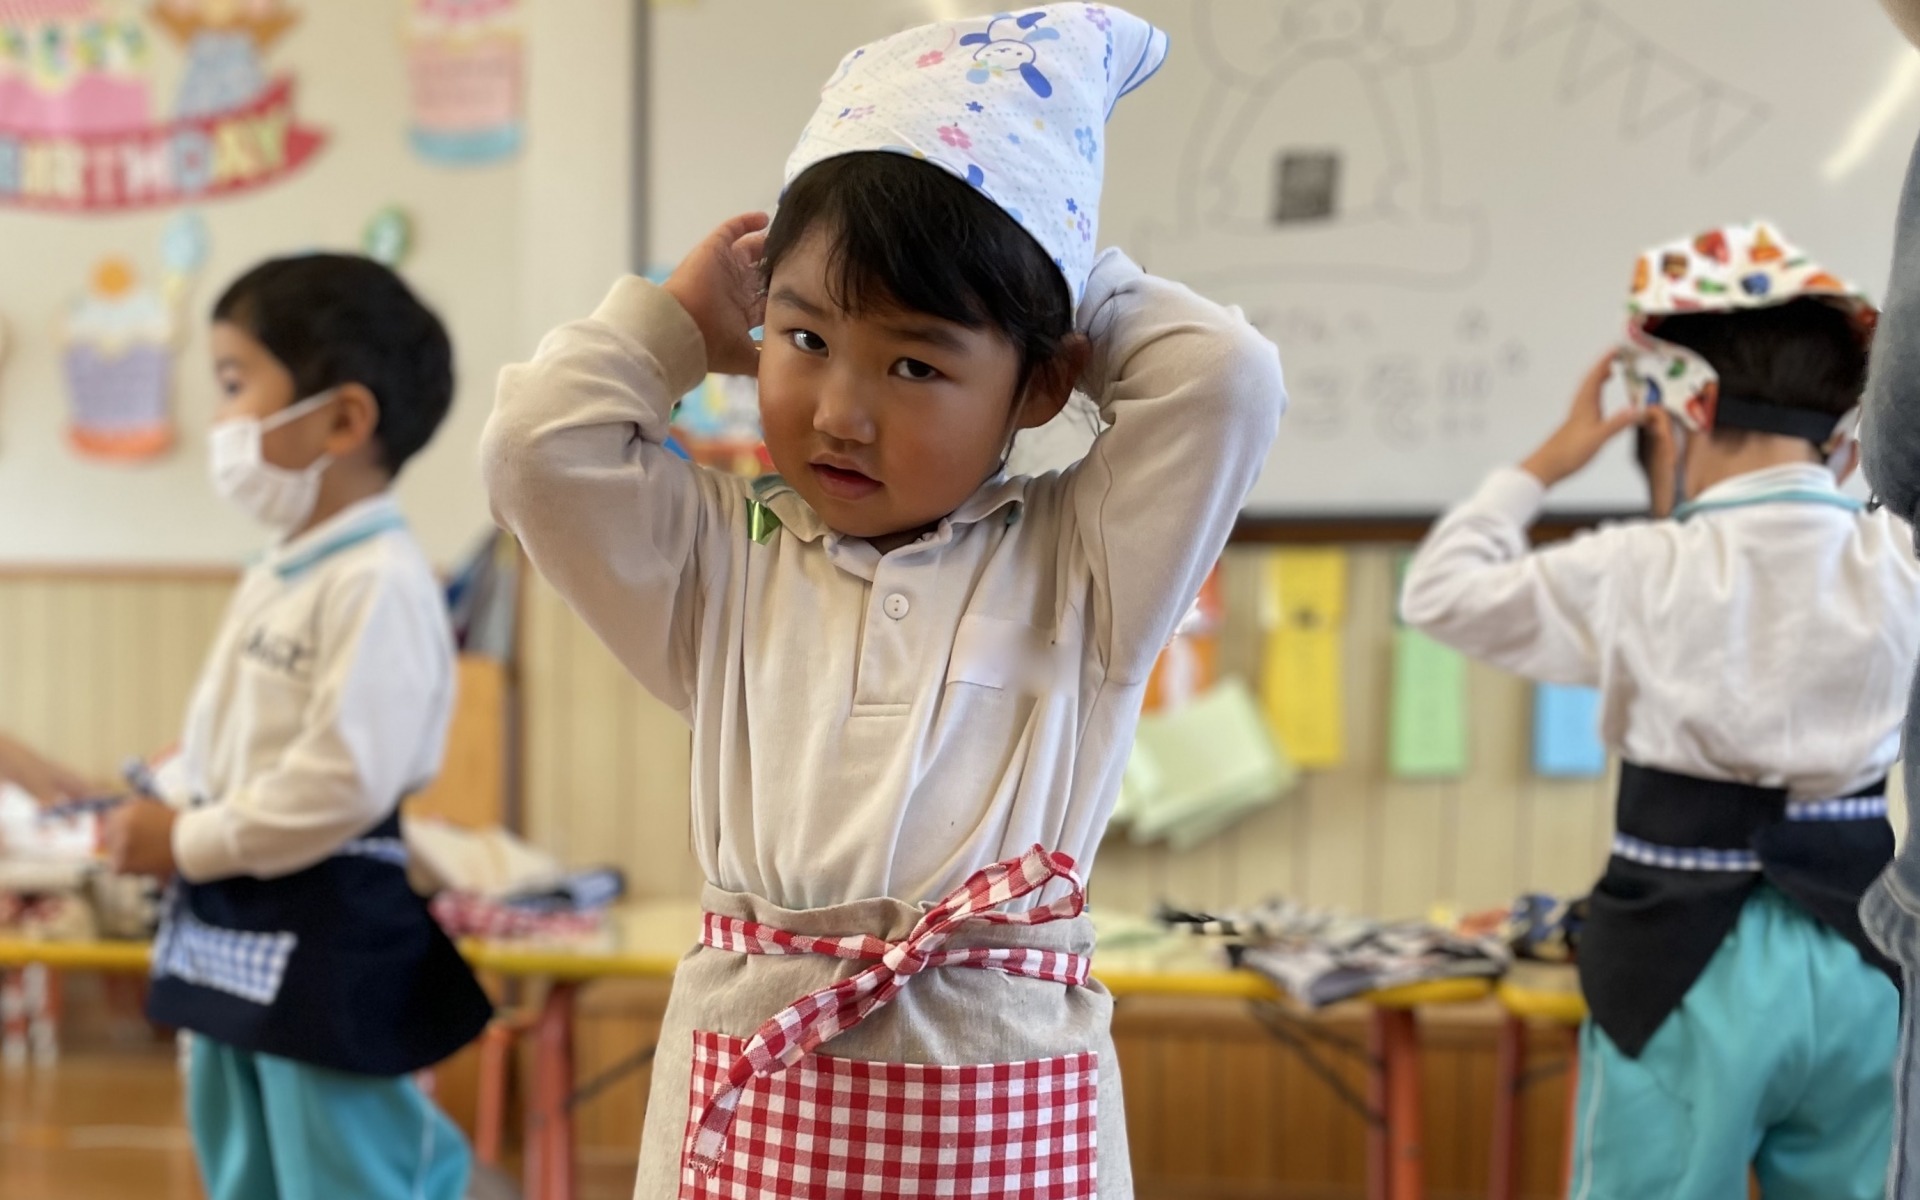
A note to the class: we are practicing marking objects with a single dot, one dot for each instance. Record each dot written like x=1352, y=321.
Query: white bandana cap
x=1015, y=104
x=1735, y=268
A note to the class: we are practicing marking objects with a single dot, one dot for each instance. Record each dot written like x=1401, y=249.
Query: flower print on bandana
x=956, y=137
x=1089, y=146
x=1007, y=47
x=1079, y=220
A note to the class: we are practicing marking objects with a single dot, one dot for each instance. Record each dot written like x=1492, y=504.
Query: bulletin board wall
x=338, y=121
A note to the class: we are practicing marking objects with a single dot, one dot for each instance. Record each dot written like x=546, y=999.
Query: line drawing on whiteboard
x=1661, y=88
x=1278, y=185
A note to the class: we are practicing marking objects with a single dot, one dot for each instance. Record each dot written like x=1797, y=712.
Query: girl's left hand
x=1586, y=429
x=138, y=837
x=720, y=286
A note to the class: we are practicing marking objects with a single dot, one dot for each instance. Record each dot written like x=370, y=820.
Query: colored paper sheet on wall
x=1566, y=732
x=465, y=69
x=1304, y=602
x=1197, y=769
x=1427, y=731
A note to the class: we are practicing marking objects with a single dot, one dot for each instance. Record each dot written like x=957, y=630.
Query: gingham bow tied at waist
x=801, y=1027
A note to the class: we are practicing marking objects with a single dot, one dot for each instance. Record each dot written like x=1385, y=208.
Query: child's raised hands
x=719, y=285
x=1587, y=428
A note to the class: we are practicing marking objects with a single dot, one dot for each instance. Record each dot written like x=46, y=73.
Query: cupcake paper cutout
x=120, y=339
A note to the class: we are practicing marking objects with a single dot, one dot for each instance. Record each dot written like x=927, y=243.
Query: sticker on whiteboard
x=465, y=67
x=93, y=120
x=1307, y=186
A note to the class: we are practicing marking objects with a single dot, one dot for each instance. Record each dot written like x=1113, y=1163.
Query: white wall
x=502, y=252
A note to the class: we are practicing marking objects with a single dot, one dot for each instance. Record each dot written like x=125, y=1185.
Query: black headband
x=1736, y=412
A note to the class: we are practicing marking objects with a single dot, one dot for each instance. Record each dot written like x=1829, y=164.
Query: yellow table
x=647, y=941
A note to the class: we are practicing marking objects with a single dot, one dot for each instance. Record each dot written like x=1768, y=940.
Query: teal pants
x=1780, y=1057
x=269, y=1128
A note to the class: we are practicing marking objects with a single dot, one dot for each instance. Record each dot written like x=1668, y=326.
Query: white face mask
x=276, y=497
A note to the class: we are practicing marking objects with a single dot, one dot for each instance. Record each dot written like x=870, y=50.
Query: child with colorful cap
x=912, y=678
x=1750, y=651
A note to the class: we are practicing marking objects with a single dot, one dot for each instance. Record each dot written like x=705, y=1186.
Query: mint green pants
x=1780, y=1057
x=268, y=1128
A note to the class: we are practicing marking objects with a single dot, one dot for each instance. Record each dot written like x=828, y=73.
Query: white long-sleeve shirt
x=869, y=725
x=324, y=700
x=1763, y=643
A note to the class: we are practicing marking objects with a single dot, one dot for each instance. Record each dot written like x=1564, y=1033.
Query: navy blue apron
x=1688, y=854
x=339, y=965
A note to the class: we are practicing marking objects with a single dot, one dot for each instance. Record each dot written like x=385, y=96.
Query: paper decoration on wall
x=464, y=66
x=78, y=83
x=388, y=237
x=1303, y=606
x=1427, y=730
x=1189, y=664
x=1196, y=770
x=120, y=339
x=1566, y=733
x=718, y=425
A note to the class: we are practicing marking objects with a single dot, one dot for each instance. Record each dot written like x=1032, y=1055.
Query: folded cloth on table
x=1320, y=957
x=578, y=891
x=468, y=914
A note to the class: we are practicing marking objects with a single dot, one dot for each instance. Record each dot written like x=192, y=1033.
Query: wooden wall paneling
x=1486, y=825
x=546, y=706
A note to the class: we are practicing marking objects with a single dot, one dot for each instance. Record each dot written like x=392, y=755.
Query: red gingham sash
x=807, y=1023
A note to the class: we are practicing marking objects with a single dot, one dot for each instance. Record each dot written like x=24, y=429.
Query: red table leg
x=1397, y=1049
x=549, y=1173
x=1504, y=1177
x=1573, y=1110
x=490, y=1113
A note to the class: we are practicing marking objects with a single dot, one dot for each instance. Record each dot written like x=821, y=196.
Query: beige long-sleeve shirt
x=883, y=725
x=324, y=700
x=1765, y=639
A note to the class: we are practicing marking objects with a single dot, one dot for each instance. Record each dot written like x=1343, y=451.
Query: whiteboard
x=1431, y=206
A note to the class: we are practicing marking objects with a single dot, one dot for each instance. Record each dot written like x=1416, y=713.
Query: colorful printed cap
x=1015, y=104
x=1731, y=269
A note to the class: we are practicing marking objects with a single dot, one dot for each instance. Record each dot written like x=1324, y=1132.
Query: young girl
x=911, y=678
x=311, y=976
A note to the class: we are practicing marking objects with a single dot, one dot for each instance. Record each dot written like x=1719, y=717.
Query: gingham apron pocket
x=842, y=1128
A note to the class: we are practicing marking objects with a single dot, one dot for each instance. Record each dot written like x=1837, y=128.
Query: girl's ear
x=1052, y=383
x=356, y=416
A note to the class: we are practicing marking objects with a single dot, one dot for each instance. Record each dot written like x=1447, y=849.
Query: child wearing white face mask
x=1750, y=646
x=312, y=977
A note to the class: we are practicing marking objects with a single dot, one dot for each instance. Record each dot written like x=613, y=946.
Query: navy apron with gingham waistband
x=1688, y=854
x=339, y=965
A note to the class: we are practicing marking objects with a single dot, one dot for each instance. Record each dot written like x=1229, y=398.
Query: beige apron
x=946, y=1016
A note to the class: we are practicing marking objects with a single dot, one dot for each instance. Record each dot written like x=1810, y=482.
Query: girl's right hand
x=719, y=284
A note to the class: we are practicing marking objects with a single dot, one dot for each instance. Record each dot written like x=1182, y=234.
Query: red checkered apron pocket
x=837, y=1127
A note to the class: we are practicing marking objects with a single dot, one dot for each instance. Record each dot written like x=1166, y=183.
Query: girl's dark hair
x=1801, y=354
x=904, y=233
x=338, y=318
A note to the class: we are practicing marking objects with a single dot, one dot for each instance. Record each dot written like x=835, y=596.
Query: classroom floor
x=55, y=1145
